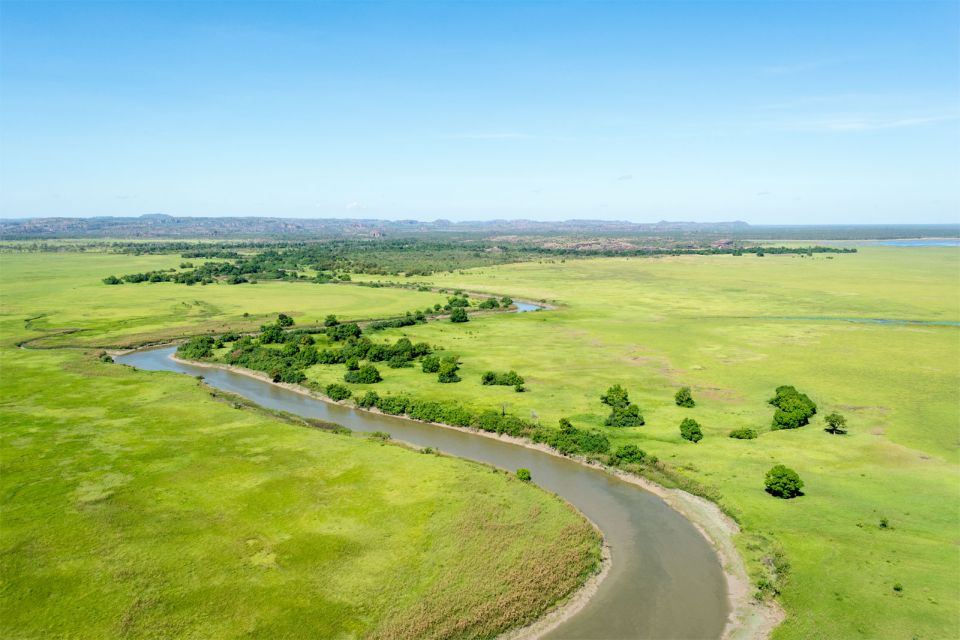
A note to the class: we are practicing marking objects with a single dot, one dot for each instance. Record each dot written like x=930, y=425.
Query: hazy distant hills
x=161, y=226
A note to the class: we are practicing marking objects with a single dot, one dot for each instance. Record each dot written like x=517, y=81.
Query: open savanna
x=135, y=504
x=733, y=329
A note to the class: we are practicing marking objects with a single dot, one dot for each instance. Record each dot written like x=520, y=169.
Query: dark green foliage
x=489, y=303
x=196, y=348
x=744, y=433
x=684, y=398
x=569, y=440
x=509, y=379
x=627, y=454
x=331, y=321
x=794, y=409
x=380, y=435
x=271, y=334
x=506, y=301
x=112, y=280
x=337, y=391
x=398, y=362
x=457, y=301
x=836, y=423
x=690, y=430
x=500, y=422
x=367, y=374
x=352, y=363
x=524, y=475
x=344, y=331
x=783, y=482
x=394, y=405
x=447, y=372
x=430, y=364
x=459, y=314
x=230, y=336
x=367, y=400
x=616, y=396
x=407, y=320
x=628, y=416
x=284, y=320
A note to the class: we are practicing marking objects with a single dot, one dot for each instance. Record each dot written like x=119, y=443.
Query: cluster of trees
x=508, y=379
x=690, y=430
x=196, y=348
x=407, y=320
x=459, y=314
x=794, y=409
x=623, y=413
x=493, y=303
x=366, y=374
x=570, y=440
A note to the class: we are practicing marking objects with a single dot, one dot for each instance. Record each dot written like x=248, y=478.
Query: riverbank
x=747, y=617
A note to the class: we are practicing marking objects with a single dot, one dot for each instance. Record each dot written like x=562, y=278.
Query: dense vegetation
x=623, y=413
x=794, y=409
x=783, y=482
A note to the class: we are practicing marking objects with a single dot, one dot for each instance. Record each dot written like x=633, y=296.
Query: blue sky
x=769, y=112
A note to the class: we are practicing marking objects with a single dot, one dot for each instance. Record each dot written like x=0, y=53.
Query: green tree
x=628, y=416
x=430, y=364
x=524, y=474
x=459, y=314
x=690, y=430
x=284, y=320
x=337, y=391
x=684, y=398
x=628, y=454
x=783, y=482
x=367, y=374
x=743, y=433
x=447, y=372
x=331, y=321
x=616, y=396
x=836, y=423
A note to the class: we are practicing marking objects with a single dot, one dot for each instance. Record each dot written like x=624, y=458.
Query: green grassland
x=134, y=504
x=732, y=329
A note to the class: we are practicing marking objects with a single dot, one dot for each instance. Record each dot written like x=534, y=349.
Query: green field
x=731, y=328
x=719, y=325
x=134, y=504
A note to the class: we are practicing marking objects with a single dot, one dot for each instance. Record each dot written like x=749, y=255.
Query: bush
x=627, y=454
x=447, y=372
x=367, y=374
x=430, y=364
x=627, y=416
x=489, y=303
x=836, y=423
x=284, y=320
x=367, y=400
x=794, y=409
x=196, y=348
x=344, y=331
x=331, y=321
x=616, y=396
x=380, y=435
x=394, y=405
x=352, y=363
x=112, y=280
x=690, y=430
x=398, y=362
x=524, y=474
x=743, y=434
x=783, y=482
x=570, y=440
x=509, y=379
x=337, y=391
x=684, y=398
x=459, y=314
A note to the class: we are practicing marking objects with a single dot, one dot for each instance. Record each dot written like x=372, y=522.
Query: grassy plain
x=734, y=328
x=135, y=505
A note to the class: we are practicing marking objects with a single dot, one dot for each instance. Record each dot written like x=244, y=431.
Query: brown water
x=665, y=580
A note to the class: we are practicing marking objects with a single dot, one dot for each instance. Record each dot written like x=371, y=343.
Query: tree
x=430, y=364
x=628, y=454
x=344, y=331
x=352, y=363
x=690, y=430
x=331, y=321
x=628, y=416
x=524, y=474
x=459, y=314
x=112, y=280
x=616, y=396
x=284, y=320
x=447, y=372
x=836, y=423
x=783, y=482
x=684, y=398
x=794, y=409
x=367, y=400
x=337, y=391
x=367, y=374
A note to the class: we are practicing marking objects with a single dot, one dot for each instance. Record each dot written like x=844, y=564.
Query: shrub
x=570, y=440
x=836, y=423
x=459, y=314
x=628, y=454
x=744, y=433
x=398, y=362
x=196, y=348
x=112, y=280
x=524, y=475
x=506, y=301
x=331, y=321
x=783, y=482
x=489, y=303
x=380, y=435
x=509, y=379
x=352, y=363
x=447, y=372
x=684, y=398
x=690, y=430
x=794, y=409
x=367, y=374
x=430, y=364
x=627, y=416
x=337, y=391
x=616, y=396
x=272, y=334
x=394, y=405
x=367, y=400
x=344, y=331
x=284, y=320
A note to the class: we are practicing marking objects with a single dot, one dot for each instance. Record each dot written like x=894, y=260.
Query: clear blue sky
x=769, y=112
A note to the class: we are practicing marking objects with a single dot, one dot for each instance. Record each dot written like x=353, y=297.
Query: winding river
x=665, y=580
